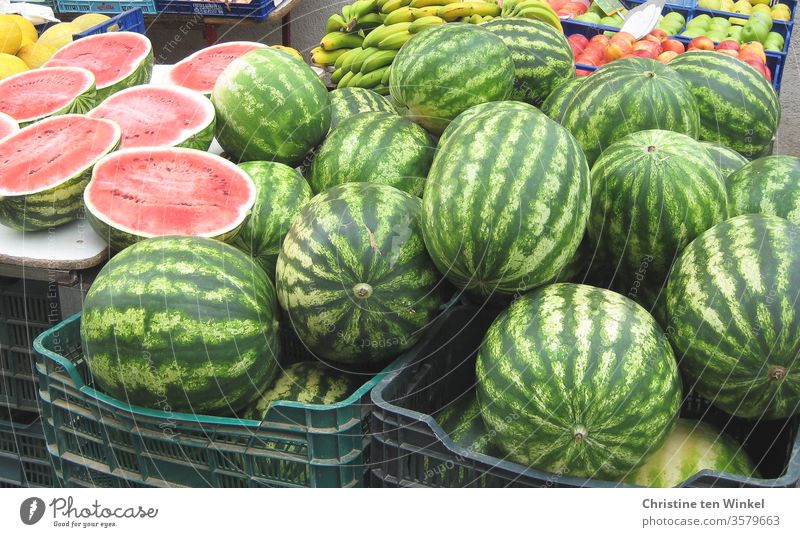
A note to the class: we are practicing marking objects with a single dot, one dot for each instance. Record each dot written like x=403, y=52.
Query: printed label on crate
x=609, y=7
x=208, y=8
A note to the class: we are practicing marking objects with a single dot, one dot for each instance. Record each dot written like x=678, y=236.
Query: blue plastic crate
x=256, y=9
x=105, y=6
x=128, y=21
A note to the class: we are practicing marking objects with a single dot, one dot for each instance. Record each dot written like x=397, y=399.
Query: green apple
x=609, y=21
x=589, y=17
x=716, y=36
x=693, y=32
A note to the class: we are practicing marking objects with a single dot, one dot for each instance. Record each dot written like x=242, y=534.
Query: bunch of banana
x=360, y=15
x=532, y=9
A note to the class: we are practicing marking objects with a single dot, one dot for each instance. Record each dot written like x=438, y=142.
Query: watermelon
x=353, y=275
x=653, y=192
x=44, y=169
x=199, y=71
x=443, y=71
x=732, y=308
x=470, y=113
x=462, y=422
x=282, y=192
x=186, y=324
x=626, y=96
x=346, y=102
x=542, y=57
x=36, y=94
x=311, y=383
x=150, y=192
x=768, y=185
x=160, y=116
x=374, y=147
x=578, y=380
x=555, y=106
x=8, y=125
x=728, y=160
x=118, y=60
x=692, y=447
x=506, y=201
x=270, y=106
x=738, y=106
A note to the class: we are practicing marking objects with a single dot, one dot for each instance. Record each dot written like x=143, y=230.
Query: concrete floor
x=308, y=23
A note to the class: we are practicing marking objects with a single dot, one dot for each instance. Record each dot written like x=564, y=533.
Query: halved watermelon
x=200, y=71
x=141, y=193
x=7, y=125
x=36, y=94
x=44, y=169
x=118, y=60
x=160, y=116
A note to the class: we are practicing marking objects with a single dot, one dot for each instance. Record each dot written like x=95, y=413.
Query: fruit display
x=346, y=102
x=778, y=11
x=601, y=49
x=45, y=167
x=39, y=93
x=768, y=185
x=131, y=195
x=353, y=276
x=670, y=22
x=533, y=9
x=159, y=116
x=199, y=71
x=146, y=317
x=599, y=402
x=757, y=28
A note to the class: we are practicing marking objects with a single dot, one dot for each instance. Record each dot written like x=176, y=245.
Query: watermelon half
x=199, y=72
x=8, y=125
x=118, y=60
x=150, y=192
x=44, y=169
x=36, y=94
x=160, y=116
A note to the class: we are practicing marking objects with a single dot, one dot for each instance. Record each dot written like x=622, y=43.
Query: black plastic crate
x=410, y=449
x=24, y=461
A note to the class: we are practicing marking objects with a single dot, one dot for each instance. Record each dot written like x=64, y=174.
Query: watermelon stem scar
x=362, y=290
x=777, y=373
x=579, y=434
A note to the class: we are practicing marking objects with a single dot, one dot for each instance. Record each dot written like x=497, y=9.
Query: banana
x=385, y=79
x=324, y=57
x=346, y=15
x=345, y=80
x=395, y=41
x=380, y=3
x=429, y=3
x=425, y=22
x=453, y=12
x=427, y=11
x=404, y=14
x=337, y=76
x=391, y=5
x=369, y=21
x=475, y=19
x=542, y=12
x=376, y=61
x=335, y=23
x=354, y=81
x=339, y=40
x=341, y=59
x=347, y=62
x=484, y=8
x=361, y=58
x=379, y=34
x=362, y=7
x=371, y=79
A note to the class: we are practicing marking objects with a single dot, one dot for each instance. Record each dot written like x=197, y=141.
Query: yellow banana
x=335, y=23
x=324, y=57
x=483, y=9
x=361, y=58
x=404, y=14
x=427, y=11
x=391, y=5
x=369, y=21
x=524, y=4
x=376, y=61
x=453, y=12
x=543, y=13
x=345, y=80
x=475, y=19
x=347, y=61
x=379, y=34
x=339, y=40
x=372, y=79
x=428, y=3
x=425, y=22
x=395, y=41
x=341, y=59
x=362, y=7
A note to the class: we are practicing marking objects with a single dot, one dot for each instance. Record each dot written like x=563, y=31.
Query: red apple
x=728, y=44
x=653, y=48
x=578, y=40
x=617, y=49
x=658, y=33
x=665, y=57
x=625, y=36
x=600, y=38
x=674, y=46
x=572, y=9
x=582, y=72
x=729, y=52
x=759, y=66
x=752, y=50
x=642, y=54
x=756, y=44
x=701, y=43
x=557, y=4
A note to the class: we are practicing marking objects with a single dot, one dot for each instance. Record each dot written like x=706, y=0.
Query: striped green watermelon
x=463, y=423
x=555, y=106
x=374, y=147
x=44, y=169
x=353, y=274
x=182, y=323
x=692, y=447
x=626, y=96
x=738, y=106
x=653, y=192
x=39, y=93
x=506, y=201
x=346, y=102
x=305, y=382
x=270, y=106
x=587, y=378
x=542, y=57
x=732, y=311
x=470, y=113
x=728, y=160
x=282, y=192
x=768, y=185
x=443, y=71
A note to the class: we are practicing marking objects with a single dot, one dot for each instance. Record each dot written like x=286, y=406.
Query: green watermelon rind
x=767, y=185
x=347, y=102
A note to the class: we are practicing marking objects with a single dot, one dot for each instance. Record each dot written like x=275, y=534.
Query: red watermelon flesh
x=7, y=125
x=169, y=191
x=38, y=93
x=153, y=116
x=199, y=72
x=51, y=151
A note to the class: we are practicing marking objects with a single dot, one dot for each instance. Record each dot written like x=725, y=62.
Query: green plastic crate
x=97, y=440
x=24, y=461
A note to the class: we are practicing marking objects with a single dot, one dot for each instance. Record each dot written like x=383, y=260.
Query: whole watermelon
x=626, y=96
x=270, y=106
x=470, y=113
x=542, y=57
x=506, y=201
x=346, y=102
x=692, y=447
x=556, y=104
x=446, y=69
x=738, y=106
x=374, y=147
x=578, y=380
x=353, y=275
x=732, y=307
x=282, y=192
x=768, y=185
x=182, y=323
x=728, y=160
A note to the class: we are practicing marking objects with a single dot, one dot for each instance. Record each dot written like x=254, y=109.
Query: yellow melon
x=10, y=35
x=26, y=27
x=35, y=54
x=59, y=35
x=10, y=65
x=90, y=20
